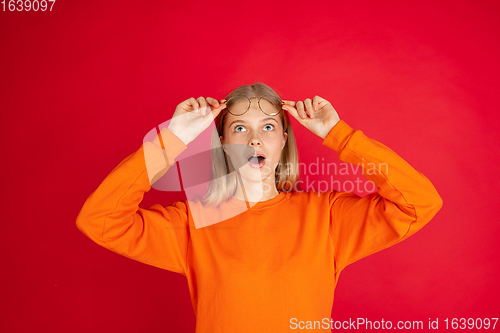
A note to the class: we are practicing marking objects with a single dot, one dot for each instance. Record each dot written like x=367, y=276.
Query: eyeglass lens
x=238, y=105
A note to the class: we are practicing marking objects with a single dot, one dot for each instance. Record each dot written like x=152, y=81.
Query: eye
x=236, y=128
x=272, y=126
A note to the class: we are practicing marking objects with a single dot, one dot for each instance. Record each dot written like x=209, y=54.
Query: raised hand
x=317, y=114
x=191, y=117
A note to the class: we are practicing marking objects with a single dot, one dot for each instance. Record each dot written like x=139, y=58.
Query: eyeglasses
x=239, y=105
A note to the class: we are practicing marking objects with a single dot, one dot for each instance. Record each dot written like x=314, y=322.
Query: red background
x=80, y=87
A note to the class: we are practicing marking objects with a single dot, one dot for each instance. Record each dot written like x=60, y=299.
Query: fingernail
x=316, y=107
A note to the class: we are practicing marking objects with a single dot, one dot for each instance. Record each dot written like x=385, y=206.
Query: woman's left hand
x=317, y=115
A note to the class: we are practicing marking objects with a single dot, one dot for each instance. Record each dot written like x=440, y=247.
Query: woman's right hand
x=191, y=117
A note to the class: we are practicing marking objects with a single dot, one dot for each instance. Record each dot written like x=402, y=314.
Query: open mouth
x=256, y=160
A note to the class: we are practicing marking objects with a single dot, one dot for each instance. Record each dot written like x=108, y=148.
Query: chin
x=254, y=175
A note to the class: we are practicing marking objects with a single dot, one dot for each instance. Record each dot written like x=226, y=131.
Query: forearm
x=406, y=200
x=108, y=210
x=396, y=180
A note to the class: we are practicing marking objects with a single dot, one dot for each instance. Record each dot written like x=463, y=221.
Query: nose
x=255, y=142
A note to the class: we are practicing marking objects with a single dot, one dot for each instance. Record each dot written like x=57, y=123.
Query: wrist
x=179, y=135
x=325, y=134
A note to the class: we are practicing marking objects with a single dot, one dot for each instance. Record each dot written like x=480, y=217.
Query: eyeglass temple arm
x=225, y=101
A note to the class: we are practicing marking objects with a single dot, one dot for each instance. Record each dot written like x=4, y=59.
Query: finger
x=222, y=105
x=203, y=105
x=291, y=103
x=194, y=104
x=316, y=102
x=309, y=108
x=320, y=102
x=293, y=111
x=217, y=106
x=202, y=101
x=212, y=101
x=300, y=109
x=216, y=111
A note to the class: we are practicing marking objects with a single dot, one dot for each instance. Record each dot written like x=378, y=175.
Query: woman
x=275, y=262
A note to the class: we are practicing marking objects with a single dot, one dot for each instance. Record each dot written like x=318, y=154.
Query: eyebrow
x=262, y=120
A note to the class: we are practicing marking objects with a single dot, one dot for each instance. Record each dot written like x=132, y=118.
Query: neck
x=256, y=191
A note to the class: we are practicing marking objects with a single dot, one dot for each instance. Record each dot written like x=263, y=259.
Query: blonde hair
x=223, y=176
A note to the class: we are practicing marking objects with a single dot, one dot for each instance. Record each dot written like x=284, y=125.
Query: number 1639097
x=27, y=5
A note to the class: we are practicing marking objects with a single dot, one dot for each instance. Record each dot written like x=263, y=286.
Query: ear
x=221, y=138
x=285, y=135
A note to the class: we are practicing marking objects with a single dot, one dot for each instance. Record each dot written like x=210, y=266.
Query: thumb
x=215, y=111
x=292, y=110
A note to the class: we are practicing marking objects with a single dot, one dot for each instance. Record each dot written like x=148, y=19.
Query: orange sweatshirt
x=279, y=260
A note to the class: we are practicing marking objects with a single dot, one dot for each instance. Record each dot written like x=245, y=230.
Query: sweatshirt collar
x=261, y=204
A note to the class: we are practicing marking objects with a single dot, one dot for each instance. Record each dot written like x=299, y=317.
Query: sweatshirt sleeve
x=111, y=216
x=405, y=201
